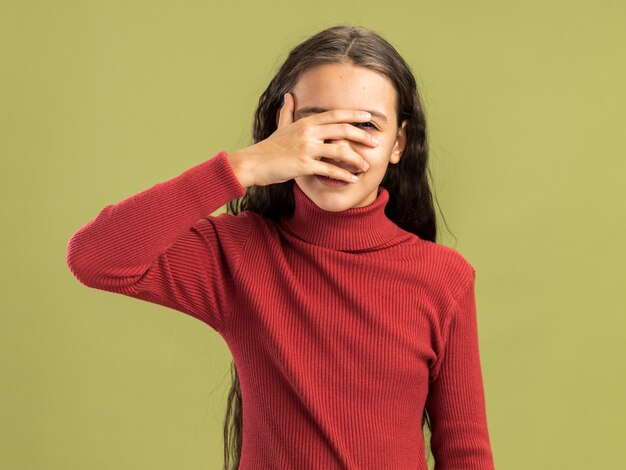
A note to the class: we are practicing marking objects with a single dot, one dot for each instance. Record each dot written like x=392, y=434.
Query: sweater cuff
x=211, y=179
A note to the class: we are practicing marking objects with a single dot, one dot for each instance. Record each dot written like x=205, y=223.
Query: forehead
x=344, y=86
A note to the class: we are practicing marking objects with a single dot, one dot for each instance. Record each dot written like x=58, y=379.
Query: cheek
x=387, y=140
x=377, y=157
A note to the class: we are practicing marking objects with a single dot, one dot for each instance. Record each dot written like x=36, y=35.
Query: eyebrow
x=314, y=109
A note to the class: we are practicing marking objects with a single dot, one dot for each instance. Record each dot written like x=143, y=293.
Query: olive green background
x=102, y=99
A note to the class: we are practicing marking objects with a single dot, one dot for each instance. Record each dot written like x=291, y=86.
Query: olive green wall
x=102, y=99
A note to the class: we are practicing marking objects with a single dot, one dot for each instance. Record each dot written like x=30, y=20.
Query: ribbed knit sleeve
x=163, y=246
x=456, y=400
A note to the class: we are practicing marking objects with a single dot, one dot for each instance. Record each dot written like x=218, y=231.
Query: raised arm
x=456, y=400
x=163, y=246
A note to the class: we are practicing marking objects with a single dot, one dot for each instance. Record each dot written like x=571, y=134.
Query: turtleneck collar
x=356, y=228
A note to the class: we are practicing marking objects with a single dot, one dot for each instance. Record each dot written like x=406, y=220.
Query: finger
x=343, y=153
x=320, y=167
x=349, y=131
x=339, y=115
x=285, y=115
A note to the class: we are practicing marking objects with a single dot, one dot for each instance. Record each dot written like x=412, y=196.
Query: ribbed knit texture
x=343, y=326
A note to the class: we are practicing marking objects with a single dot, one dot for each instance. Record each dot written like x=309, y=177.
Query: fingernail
x=365, y=166
x=375, y=141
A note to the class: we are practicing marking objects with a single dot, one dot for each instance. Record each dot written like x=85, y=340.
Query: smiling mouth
x=330, y=177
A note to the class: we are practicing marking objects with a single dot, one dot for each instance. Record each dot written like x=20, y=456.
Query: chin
x=332, y=206
x=332, y=201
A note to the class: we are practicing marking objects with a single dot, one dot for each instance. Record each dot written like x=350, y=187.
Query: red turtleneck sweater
x=343, y=327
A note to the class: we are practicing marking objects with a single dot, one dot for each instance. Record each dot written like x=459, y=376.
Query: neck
x=357, y=228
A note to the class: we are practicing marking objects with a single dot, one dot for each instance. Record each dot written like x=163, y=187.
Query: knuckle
x=307, y=132
x=306, y=147
x=301, y=157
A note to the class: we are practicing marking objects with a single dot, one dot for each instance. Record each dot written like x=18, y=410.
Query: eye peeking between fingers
x=371, y=125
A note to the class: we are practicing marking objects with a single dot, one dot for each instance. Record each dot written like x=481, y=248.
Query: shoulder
x=448, y=256
x=234, y=236
x=246, y=223
x=449, y=265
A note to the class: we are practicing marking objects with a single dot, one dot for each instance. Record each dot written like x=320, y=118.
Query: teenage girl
x=349, y=326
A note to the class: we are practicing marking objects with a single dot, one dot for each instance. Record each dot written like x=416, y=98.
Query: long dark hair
x=410, y=203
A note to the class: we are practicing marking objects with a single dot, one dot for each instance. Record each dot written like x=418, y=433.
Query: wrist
x=240, y=163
